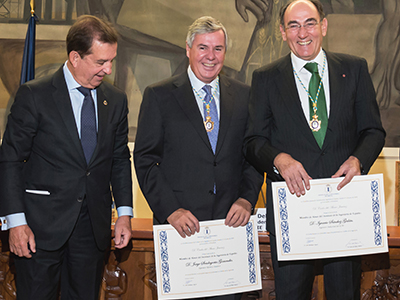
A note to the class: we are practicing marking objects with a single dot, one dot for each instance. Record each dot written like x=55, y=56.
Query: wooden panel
x=130, y=272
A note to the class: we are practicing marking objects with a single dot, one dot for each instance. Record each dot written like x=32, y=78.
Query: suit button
x=87, y=173
x=211, y=192
x=80, y=199
x=215, y=164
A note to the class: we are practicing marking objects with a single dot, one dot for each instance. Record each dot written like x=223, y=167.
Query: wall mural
x=152, y=43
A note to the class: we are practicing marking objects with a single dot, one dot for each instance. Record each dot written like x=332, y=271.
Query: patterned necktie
x=213, y=113
x=320, y=102
x=88, y=124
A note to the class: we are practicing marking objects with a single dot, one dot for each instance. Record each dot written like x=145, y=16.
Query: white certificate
x=218, y=260
x=326, y=222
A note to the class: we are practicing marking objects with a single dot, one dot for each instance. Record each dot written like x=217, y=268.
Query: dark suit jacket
x=41, y=150
x=175, y=165
x=277, y=122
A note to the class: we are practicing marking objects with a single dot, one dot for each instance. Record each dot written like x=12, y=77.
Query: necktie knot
x=207, y=89
x=311, y=67
x=84, y=91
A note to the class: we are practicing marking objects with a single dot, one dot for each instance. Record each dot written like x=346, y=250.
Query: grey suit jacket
x=175, y=165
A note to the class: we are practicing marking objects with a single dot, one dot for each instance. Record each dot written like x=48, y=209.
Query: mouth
x=306, y=43
x=209, y=65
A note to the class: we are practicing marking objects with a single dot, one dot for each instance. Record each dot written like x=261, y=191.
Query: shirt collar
x=197, y=84
x=69, y=79
x=299, y=63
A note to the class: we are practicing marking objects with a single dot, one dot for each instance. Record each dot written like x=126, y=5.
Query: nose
x=108, y=68
x=211, y=55
x=302, y=31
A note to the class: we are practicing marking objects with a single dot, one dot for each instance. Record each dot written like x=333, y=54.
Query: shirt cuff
x=125, y=211
x=12, y=221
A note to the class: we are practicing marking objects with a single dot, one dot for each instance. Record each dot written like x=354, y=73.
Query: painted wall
x=152, y=45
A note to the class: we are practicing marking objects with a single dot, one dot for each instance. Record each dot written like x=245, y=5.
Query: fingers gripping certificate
x=218, y=260
x=326, y=222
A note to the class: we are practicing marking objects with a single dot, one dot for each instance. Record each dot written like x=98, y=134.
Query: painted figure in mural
x=386, y=71
x=187, y=155
x=62, y=152
x=291, y=142
x=266, y=43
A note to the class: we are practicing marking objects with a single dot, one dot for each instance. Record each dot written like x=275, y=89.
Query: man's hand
x=296, y=177
x=19, y=239
x=258, y=7
x=239, y=214
x=184, y=222
x=350, y=168
x=123, y=231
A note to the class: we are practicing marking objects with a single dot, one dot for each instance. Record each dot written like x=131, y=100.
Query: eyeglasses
x=295, y=27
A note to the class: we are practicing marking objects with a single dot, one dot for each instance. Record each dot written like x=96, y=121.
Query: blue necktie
x=88, y=124
x=213, y=113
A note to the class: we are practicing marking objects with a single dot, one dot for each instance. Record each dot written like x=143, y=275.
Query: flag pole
x=32, y=7
x=28, y=59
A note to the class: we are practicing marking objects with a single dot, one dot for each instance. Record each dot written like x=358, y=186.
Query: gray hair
x=203, y=25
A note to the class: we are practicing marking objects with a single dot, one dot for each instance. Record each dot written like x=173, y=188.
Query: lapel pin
x=344, y=75
x=105, y=102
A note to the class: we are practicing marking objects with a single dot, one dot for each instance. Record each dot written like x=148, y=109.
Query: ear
x=283, y=32
x=324, y=26
x=74, y=58
x=187, y=50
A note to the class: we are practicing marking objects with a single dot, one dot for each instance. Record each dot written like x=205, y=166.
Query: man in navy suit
x=188, y=150
x=64, y=148
x=284, y=140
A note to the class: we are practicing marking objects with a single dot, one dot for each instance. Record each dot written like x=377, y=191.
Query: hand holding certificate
x=218, y=260
x=326, y=222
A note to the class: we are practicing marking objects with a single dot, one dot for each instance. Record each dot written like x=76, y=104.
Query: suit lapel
x=226, y=100
x=63, y=103
x=185, y=97
x=285, y=81
x=336, y=90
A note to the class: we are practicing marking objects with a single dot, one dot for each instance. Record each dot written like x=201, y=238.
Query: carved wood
x=130, y=272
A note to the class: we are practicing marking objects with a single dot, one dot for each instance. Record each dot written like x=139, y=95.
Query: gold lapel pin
x=105, y=102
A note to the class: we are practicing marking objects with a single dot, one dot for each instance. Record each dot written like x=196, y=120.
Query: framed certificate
x=218, y=260
x=326, y=222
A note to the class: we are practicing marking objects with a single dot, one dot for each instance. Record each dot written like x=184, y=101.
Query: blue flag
x=28, y=60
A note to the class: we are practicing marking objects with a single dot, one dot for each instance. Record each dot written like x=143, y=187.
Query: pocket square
x=38, y=192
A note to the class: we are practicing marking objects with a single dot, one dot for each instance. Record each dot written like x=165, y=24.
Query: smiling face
x=90, y=70
x=207, y=55
x=304, y=43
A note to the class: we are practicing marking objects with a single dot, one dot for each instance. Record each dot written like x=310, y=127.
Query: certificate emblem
x=207, y=231
x=328, y=188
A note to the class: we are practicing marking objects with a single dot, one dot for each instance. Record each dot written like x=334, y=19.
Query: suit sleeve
x=121, y=174
x=371, y=133
x=15, y=150
x=148, y=154
x=257, y=147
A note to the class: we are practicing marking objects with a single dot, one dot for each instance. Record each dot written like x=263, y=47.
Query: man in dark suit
x=62, y=152
x=340, y=135
x=188, y=150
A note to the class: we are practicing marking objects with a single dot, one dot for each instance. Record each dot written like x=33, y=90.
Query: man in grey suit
x=313, y=114
x=188, y=150
x=64, y=148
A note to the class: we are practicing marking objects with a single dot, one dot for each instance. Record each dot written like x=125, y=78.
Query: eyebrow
x=296, y=22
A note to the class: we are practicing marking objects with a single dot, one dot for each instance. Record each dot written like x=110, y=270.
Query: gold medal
x=315, y=124
x=208, y=124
